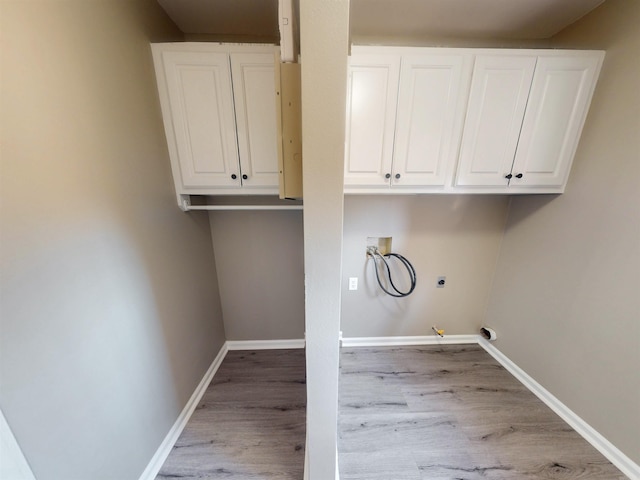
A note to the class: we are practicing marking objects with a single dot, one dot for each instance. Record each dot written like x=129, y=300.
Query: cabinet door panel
x=255, y=101
x=371, y=105
x=430, y=111
x=497, y=103
x=200, y=99
x=558, y=103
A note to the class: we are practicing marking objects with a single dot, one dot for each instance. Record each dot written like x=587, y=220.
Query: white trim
x=244, y=207
x=604, y=446
x=265, y=344
x=414, y=340
x=169, y=441
x=305, y=473
x=285, y=23
x=13, y=464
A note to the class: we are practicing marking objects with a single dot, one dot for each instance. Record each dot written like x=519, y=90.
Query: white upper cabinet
x=201, y=118
x=557, y=107
x=219, y=111
x=447, y=120
x=405, y=112
x=372, y=95
x=524, y=120
x=431, y=103
x=497, y=102
x=254, y=92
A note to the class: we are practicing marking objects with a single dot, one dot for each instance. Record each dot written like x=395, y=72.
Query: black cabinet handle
x=508, y=177
x=244, y=177
x=519, y=175
x=397, y=175
x=388, y=175
x=233, y=176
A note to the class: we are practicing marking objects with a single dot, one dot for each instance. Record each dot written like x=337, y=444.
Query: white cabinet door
x=558, y=104
x=371, y=106
x=255, y=103
x=431, y=106
x=201, y=124
x=418, y=118
x=497, y=102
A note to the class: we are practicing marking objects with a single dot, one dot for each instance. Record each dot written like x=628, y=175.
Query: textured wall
x=565, y=301
x=110, y=307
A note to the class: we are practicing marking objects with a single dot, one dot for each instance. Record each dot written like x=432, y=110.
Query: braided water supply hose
x=380, y=259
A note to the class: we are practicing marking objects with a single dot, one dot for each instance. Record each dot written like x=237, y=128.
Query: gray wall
x=110, y=307
x=566, y=300
x=260, y=263
x=457, y=236
x=453, y=235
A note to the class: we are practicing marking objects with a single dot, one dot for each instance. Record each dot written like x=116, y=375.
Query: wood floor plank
x=357, y=399
x=383, y=465
x=377, y=433
x=458, y=464
x=468, y=419
x=406, y=413
x=250, y=423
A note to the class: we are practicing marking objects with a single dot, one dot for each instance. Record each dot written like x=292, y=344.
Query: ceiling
x=496, y=19
x=242, y=18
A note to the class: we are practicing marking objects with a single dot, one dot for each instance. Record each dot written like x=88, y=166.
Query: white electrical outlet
x=353, y=283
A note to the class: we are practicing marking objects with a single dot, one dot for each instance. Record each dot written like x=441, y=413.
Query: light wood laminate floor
x=406, y=413
x=451, y=412
x=250, y=423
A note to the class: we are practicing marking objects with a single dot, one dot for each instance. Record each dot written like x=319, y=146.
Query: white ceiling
x=497, y=19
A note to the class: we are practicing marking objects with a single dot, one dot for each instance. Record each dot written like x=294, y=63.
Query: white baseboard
x=402, y=341
x=264, y=344
x=604, y=446
x=167, y=444
x=13, y=463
